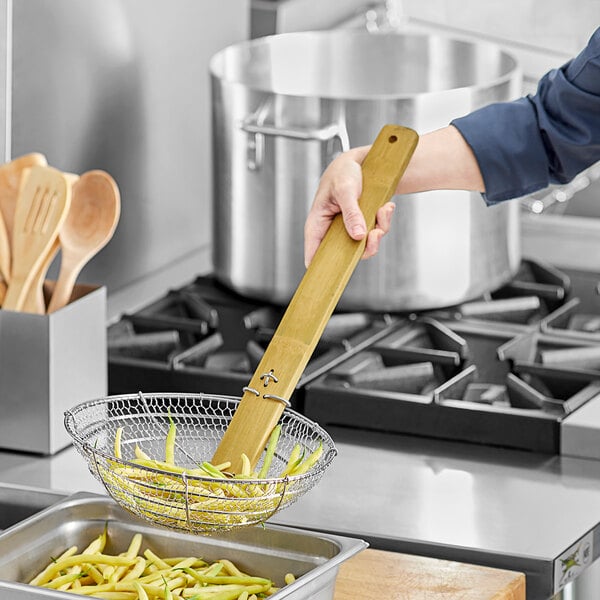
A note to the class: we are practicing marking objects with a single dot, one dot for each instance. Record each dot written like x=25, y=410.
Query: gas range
x=506, y=369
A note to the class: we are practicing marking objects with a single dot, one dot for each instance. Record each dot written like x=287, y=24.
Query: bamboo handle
x=312, y=305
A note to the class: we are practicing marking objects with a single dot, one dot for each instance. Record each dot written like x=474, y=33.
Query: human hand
x=338, y=192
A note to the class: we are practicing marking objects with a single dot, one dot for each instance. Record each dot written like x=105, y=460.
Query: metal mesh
x=182, y=501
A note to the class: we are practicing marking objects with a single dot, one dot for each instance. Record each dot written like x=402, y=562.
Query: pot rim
x=247, y=50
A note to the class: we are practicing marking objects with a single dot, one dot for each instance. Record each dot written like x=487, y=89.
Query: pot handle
x=257, y=129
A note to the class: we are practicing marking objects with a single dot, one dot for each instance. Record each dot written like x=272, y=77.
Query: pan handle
x=257, y=128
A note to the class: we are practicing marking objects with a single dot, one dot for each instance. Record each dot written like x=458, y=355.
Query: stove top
x=205, y=338
x=505, y=369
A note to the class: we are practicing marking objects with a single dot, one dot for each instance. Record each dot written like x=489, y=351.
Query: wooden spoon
x=90, y=224
x=311, y=306
x=41, y=209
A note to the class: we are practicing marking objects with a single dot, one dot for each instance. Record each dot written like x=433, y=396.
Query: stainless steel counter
x=482, y=505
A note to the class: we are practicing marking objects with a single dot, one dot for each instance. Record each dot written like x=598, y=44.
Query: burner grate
x=504, y=369
x=204, y=339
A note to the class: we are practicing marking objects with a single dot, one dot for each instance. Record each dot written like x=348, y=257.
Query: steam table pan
x=267, y=551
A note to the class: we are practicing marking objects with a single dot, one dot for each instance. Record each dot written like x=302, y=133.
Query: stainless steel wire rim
x=191, y=503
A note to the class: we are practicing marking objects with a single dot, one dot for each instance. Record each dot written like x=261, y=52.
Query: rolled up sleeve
x=549, y=137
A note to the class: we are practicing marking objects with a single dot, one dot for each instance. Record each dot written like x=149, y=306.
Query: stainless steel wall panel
x=123, y=85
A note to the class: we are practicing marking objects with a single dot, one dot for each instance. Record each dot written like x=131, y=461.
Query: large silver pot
x=284, y=106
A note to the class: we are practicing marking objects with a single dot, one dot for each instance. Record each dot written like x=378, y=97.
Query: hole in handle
x=392, y=139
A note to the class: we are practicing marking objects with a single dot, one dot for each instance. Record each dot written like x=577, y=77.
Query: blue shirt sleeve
x=525, y=145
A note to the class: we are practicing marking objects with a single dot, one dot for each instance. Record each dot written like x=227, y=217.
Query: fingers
x=315, y=228
x=338, y=192
x=354, y=220
x=382, y=226
x=345, y=189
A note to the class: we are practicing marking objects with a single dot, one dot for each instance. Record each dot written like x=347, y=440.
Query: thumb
x=354, y=221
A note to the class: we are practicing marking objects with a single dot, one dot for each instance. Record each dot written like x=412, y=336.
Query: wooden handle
x=312, y=305
x=43, y=203
x=34, y=299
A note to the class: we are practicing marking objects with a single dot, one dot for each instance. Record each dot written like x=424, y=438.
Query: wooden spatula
x=311, y=306
x=42, y=206
x=5, y=253
x=34, y=301
x=10, y=180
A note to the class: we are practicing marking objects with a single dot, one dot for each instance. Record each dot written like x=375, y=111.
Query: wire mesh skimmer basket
x=186, y=500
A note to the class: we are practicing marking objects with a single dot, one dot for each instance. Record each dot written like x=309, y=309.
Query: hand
x=339, y=190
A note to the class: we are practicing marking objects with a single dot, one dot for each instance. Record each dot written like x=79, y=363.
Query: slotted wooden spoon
x=10, y=180
x=90, y=224
x=311, y=306
x=34, y=301
x=41, y=209
x=5, y=253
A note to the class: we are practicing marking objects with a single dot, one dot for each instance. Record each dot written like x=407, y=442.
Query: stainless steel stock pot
x=284, y=106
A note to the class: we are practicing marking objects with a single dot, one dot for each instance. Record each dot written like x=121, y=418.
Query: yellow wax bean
x=43, y=575
x=309, y=462
x=70, y=561
x=117, y=448
x=186, y=562
x=98, y=544
x=293, y=461
x=159, y=562
x=231, y=568
x=141, y=592
x=228, y=591
x=168, y=593
x=58, y=582
x=270, y=452
x=228, y=579
x=170, y=442
x=139, y=453
x=132, y=552
x=223, y=466
x=94, y=574
x=246, y=466
x=198, y=562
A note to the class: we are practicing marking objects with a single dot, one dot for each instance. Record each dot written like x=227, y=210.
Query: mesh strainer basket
x=179, y=500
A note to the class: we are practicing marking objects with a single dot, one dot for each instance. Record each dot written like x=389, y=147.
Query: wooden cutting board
x=378, y=575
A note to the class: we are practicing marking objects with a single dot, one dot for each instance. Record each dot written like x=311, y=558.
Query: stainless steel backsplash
x=121, y=85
